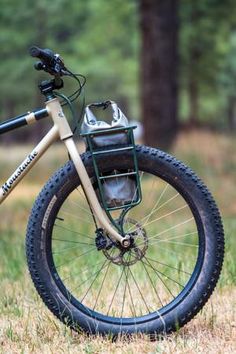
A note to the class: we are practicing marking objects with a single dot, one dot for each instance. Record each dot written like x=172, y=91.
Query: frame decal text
x=8, y=184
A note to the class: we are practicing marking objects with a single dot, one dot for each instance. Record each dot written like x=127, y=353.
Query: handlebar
x=49, y=61
x=45, y=55
x=53, y=64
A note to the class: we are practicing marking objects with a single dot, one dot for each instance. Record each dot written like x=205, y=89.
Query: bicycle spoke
x=123, y=300
x=153, y=209
x=82, y=194
x=72, y=231
x=71, y=260
x=103, y=280
x=150, y=279
x=161, y=206
x=136, y=189
x=139, y=291
x=77, y=217
x=130, y=294
x=116, y=288
x=117, y=184
x=178, y=236
x=165, y=203
x=70, y=241
x=88, y=268
x=178, y=253
x=70, y=248
x=164, y=216
x=82, y=208
x=159, y=277
x=159, y=240
x=182, y=243
x=157, y=311
x=164, y=274
x=91, y=275
x=155, y=205
x=96, y=276
x=151, y=189
x=167, y=265
x=171, y=228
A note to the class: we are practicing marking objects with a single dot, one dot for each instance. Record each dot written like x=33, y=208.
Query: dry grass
x=26, y=326
x=213, y=157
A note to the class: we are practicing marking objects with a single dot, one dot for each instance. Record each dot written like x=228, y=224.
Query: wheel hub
x=134, y=252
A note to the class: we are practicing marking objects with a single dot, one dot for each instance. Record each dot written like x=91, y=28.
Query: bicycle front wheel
x=156, y=285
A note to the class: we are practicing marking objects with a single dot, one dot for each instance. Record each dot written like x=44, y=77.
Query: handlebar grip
x=45, y=55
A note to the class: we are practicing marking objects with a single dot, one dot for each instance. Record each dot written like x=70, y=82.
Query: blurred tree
x=102, y=40
x=159, y=61
x=227, y=79
x=204, y=50
x=107, y=51
x=92, y=38
x=23, y=24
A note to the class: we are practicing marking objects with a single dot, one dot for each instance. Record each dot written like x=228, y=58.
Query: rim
x=149, y=287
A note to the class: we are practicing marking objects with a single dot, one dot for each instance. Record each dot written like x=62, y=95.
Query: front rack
x=129, y=145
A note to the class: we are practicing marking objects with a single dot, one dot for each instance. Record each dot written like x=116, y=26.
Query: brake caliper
x=102, y=241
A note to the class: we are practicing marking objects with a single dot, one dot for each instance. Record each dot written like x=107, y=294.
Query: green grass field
x=26, y=326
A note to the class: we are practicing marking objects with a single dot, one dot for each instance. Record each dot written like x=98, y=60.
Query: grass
x=26, y=326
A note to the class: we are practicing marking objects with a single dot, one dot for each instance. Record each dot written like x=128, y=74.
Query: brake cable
x=67, y=100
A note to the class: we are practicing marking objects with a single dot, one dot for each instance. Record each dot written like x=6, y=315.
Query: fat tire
x=185, y=180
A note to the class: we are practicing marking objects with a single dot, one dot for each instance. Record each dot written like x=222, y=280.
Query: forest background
x=169, y=64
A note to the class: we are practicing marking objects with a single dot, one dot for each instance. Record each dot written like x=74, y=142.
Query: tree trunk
x=159, y=61
x=193, y=78
x=193, y=101
x=232, y=113
x=37, y=131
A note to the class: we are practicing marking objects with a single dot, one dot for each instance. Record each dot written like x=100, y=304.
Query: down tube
x=28, y=163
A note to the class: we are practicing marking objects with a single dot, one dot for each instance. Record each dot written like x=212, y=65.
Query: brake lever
x=58, y=67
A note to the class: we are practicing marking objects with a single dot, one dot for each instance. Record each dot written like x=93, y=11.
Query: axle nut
x=126, y=243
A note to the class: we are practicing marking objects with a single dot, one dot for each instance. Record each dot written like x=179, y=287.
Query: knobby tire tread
x=55, y=181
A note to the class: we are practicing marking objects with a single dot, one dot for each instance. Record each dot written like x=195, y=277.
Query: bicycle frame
x=60, y=130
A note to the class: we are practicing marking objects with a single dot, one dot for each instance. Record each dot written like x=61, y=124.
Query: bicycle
x=147, y=264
